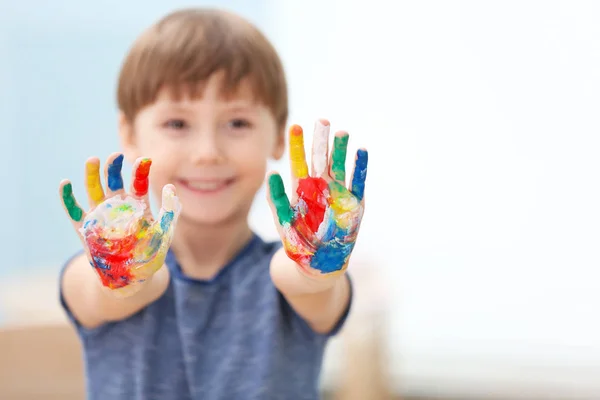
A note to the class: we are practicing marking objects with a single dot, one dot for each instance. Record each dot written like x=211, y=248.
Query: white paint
x=320, y=145
x=324, y=226
x=115, y=222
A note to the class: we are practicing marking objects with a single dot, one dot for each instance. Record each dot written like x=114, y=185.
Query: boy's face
x=213, y=150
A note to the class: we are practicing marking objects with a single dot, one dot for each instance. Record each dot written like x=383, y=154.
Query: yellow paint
x=345, y=206
x=94, y=186
x=297, y=155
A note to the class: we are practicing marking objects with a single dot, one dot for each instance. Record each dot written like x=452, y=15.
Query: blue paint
x=331, y=227
x=333, y=255
x=115, y=180
x=89, y=223
x=166, y=220
x=155, y=243
x=360, y=174
x=99, y=263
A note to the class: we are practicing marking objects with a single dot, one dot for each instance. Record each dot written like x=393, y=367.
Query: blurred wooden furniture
x=41, y=363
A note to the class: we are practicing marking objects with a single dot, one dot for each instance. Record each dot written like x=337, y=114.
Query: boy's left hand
x=319, y=228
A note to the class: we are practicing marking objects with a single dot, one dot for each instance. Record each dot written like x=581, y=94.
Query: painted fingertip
x=68, y=198
x=140, y=180
x=360, y=173
x=115, y=179
x=296, y=130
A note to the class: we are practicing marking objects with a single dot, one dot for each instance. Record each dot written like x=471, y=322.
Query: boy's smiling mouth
x=205, y=186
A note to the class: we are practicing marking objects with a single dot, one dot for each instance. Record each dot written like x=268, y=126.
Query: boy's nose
x=207, y=150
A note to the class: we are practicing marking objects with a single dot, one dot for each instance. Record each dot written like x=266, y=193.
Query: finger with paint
x=338, y=157
x=320, y=148
x=70, y=204
x=93, y=183
x=74, y=211
x=114, y=178
x=359, y=176
x=170, y=209
x=297, y=154
x=280, y=200
x=140, y=182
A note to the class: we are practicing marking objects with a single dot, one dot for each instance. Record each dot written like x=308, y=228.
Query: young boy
x=193, y=305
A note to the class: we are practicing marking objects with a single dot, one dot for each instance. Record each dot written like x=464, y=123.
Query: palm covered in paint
x=123, y=242
x=319, y=228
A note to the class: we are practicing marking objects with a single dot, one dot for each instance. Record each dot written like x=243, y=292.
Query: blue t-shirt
x=232, y=337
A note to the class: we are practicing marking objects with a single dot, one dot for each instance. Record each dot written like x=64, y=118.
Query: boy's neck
x=202, y=251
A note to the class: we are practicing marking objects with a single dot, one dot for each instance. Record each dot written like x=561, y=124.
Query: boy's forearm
x=321, y=302
x=92, y=304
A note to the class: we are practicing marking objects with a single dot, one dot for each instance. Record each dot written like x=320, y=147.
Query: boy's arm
x=321, y=302
x=92, y=306
x=320, y=229
x=127, y=282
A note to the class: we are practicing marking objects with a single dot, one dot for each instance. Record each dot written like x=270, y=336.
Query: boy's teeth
x=205, y=185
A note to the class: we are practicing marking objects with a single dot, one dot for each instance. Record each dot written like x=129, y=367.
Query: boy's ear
x=279, y=148
x=127, y=138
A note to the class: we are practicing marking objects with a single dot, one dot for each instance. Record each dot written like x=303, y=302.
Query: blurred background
x=477, y=270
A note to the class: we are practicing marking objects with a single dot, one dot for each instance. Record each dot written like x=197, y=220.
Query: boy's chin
x=210, y=217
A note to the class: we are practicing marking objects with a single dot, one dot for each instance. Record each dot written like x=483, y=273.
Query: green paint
x=280, y=199
x=125, y=207
x=336, y=189
x=75, y=212
x=340, y=144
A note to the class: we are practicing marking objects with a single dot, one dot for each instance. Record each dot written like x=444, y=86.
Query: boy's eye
x=176, y=124
x=239, y=123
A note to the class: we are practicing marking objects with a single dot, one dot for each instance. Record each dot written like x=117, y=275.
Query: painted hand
x=124, y=244
x=320, y=227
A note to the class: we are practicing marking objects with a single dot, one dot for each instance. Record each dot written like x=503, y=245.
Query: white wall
x=484, y=180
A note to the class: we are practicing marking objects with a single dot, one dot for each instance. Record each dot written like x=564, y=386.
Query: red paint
x=299, y=258
x=305, y=234
x=296, y=130
x=312, y=191
x=140, y=182
x=116, y=255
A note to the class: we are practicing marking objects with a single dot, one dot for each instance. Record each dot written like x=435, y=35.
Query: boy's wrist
x=138, y=287
x=315, y=283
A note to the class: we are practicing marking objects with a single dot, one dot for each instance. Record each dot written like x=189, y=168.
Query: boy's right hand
x=123, y=242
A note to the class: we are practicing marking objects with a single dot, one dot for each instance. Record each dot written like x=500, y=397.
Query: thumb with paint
x=123, y=242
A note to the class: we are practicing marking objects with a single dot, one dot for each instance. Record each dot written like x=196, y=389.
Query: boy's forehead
x=213, y=89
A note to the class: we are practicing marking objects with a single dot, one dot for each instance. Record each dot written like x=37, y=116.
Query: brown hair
x=183, y=49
